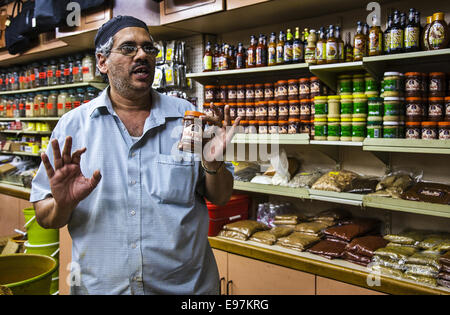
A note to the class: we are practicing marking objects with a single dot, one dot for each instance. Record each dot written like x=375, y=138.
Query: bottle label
x=436, y=35
x=272, y=55
x=359, y=49
x=411, y=37
x=250, y=58
x=341, y=51
x=396, y=39
x=288, y=53
x=280, y=54
x=310, y=54
x=332, y=51
x=320, y=52
x=207, y=63
x=375, y=42
x=297, y=53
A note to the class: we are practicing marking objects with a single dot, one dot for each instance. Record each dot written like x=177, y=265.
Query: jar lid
x=258, y=84
x=429, y=19
x=321, y=98
x=437, y=74
x=232, y=104
x=282, y=102
x=253, y=122
x=304, y=79
x=210, y=86
x=294, y=119
x=282, y=81
x=374, y=125
x=334, y=97
x=223, y=86
x=358, y=76
x=240, y=104
x=293, y=101
x=261, y=103
x=314, y=78
x=356, y=119
x=349, y=120
x=360, y=96
x=283, y=122
x=389, y=74
x=272, y=102
x=193, y=113
x=334, y=119
x=320, y=119
x=261, y=122
x=344, y=76
x=413, y=123
x=375, y=99
x=243, y=122
x=414, y=99
x=240, y=86
x=440, y=99
x=391, y=123
x=375, y=118
x=273, y=122
x=447, y=98
x=231, y=86
x=444, y=124
x=305, y=100
x=438, y=16
x=429, y=123
x=219, y=103
x=350, y=97
x=393, y=98
x=293, y=81
x=413, y=74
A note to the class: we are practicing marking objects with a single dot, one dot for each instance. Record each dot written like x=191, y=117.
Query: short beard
x=122, y=85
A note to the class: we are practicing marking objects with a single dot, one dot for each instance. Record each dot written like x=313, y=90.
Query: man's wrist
x=213, y=167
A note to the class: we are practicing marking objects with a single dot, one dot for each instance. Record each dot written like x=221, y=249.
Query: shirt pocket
x=174, y=179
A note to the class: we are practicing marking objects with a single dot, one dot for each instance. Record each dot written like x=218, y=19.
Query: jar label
x=447, y=109
x=429, y=133
x=283, y=129
x=360, y=48
x=390, y=132
x=268, y=93
x=209, y=94
x=396, y=39
x=334, y=130
x=435, y=110
x=240, y=94
x=75, y=70
x=346, y=108
x=413, y=110
x=259, y=93
x=305, y=128
x=207, y=63
x=320, y=130
x=435, y=85
x=444, y=134
x=60, y=105
x=273, y=129
x=249, y=93
x=332, y=51
x=358, y=131
x=293, y=90
x=283, y=110
x=58, y=73
x=412, y=37
x=412, y=133
x=321, y=109
x=375, y=42
x=273, y=111
x=436, y=35
x=232, y=94
x=294, y=110
x=305, y=109
x=391, y=109
x=293, y=128
x=374, y=132
x=412, y=85
x=304, y=88
x=262, y=129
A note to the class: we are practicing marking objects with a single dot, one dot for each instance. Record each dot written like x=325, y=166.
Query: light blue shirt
x=143, y=230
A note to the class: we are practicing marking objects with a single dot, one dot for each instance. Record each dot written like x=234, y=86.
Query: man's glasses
x=132, y=50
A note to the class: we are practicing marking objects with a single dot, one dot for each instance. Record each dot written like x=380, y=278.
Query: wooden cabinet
x=11, y=215
x=177, y=10
x=235, y=4
x=326, y=286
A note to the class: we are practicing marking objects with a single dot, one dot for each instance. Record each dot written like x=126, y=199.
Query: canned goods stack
x=394, y=105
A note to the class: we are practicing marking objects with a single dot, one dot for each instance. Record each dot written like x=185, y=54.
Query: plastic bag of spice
x=363, y=185
x=233, y=234
x=246, y=227
x=421, y=258
x=396, y=253
x=271, y=236
x=313, y=228
x=304, y=179
x=408, y=237
x=332, y=215
x=338, y=181
x=298, y=241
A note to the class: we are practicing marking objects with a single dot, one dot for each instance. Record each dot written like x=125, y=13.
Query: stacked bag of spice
x=393, y=185
x=361, y=249
x=242, y=230
x=428, y=192
x=337, y=238
x=288, y=220
x=444, y=271
x=338, y=181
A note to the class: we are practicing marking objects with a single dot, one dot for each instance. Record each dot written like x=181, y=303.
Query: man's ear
x=101, y=63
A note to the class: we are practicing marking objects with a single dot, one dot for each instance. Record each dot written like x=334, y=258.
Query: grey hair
x=105, y=50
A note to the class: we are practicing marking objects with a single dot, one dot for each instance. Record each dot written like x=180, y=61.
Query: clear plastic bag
x=271, y=236
x=421, y=270
x=298, y=241
x=408, y=237
x=338, y=181
x=422, y=258
x=246, y=227
x=396, y=253
x=304, y=179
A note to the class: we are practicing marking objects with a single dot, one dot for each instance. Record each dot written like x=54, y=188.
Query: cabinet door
x=222, y=265
x=235, y=4
x=178, y=10
x=326, y=286
x=252, y=277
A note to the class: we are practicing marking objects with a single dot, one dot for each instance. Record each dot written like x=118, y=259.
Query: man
x=139, y=223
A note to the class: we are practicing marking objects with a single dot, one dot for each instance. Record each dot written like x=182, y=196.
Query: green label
x=360, y=108
x=346, y=131
x=391, y=109
x=321, y=109
x=347, y=108
x=334, y=130
x=374, y=132
x=376, y=110
x=358, y=131
x=320, y=130
x=390, y=132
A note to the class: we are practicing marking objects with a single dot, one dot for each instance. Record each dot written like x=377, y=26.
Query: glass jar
x=43, y=112
x=233, y=110
x=241, y=110
x=359, y=129
x=262, y=127
x=304, y=88
x=374, y=129
x=293, y=89
x=61, y=66
x=259, y=92
x=283, y=126
x=269, y=92
x=38, y=99
x=371, y=84
x=88, y=68
x=2, y=106
x=346, y=129
x=249, y=92
x=22, y=79
x=79, y=99
x=22, y=102
x=209, y=93
x=250, y=111
x=272, y=126
x=305, y=109
x=232, y=93
x=436, y=85
x=261, y=111
x=70, y=100
x=320, y=129
x=334, y=105
x=320, y=105
x=294, y=125
x=51, y=73
x=413, y=84
x=315, y=87
x=294, y=109
x=414, y=109
x=43, y=73
x=305, y=126
x=360, y=105
x=9, y=106
x=375, y=106
x=252, y=127
x=14, y=79
x=77, y=69
x=444, y=130
x=436, y=108
x=192, y=135
x=15, y=105
x=223, y=93
x=358, y=83
x=429, y=130
x=391, y=129
x=283, y=110
x=282, y=90
x=272, y=107
x=333, y=129
x=240, y=93
x=67, y=72
x=61, y=102
x=243, y=126
x=392, y=106
x=392, y=83
x=52, y=110
x=413, y=130
x=2, y=80
x=346, y=105
x=345, y=84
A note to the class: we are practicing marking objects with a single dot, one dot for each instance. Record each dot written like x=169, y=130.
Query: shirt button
x=133, y=246
x=132, y=182
x=132, y=212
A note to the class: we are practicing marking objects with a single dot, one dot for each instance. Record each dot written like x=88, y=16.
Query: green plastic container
x=37, y=234
x=43, y=249
x=27, y=274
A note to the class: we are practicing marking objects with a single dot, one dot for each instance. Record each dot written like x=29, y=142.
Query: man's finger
x=76, y=156
x=66, y=150
x=95, y=179
x=226, y=116
x=57, y=161
x=212, y=120
x=232, y=130
x=48, y=166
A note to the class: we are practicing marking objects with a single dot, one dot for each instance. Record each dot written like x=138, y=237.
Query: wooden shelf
x=407, y=145
x=328, y=73
x=29, y=118
x=15, y=191
x=271, y=138
x=98, y=85
x=27, y=132
x=20, y=153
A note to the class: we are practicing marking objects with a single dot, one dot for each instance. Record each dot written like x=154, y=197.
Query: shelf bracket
x=383, y=157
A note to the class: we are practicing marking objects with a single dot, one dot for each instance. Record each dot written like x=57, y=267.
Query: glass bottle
x=261, y=52
x=240, y=57
x=375, y=38
x=232, y=57
x=280, y=48
x=43, y=73
x=272, y=50
x=225, y=65
x=43, y=106
x=29, y=72
x=412, y=33
x=297, y=47
x=359, y=48
x=251, y=53
x=366, y=29
x=2, y=106
x=62, y=99
x=2, y=80
x=438, y=36
x=52, y=103
x=397, y=40
x=208, y=58
x=332, y=49
x=22, y=105
x=22, y=81
x=340, y=44
x=310, y=50
x=288, y=46
x=9, y=107
x=79, y=98
x=216, y=57
x=321, y=47
x=15, y=79
x=88, y=69
x=387, y=36
x=15, y=105
x=71, y=99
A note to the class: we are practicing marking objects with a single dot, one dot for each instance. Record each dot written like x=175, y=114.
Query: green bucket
x=36, y=233
x=27, y=274
x=54, y=286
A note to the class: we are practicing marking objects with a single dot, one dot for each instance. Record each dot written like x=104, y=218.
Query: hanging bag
x=20, y=28
x=49, y=14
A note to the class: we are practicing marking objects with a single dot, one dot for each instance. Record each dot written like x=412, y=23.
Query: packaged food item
x=356, y=258
x=421, y=270
x=335, y=181
x=312, y=228
x=419, y=278
x=298, y=241
x=246, y=227
x=387, y=271
x=429, y=192
x=332, y=215
x=445, y=259
x=396, y=253
x=421, y=258
x=366, y=245
x=355, y=227
x=304, y=179
x=328, y=249
x=411, y=237
x=192, y=136
x=233, y=234
x=438, y=34
x=444, y=130
x=398, y=181
x=429, y=130
x=271, y=236
x=288, y=219
x=320, y=129
x=413, y=130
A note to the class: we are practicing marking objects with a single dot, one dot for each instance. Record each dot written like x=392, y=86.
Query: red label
x=8, y=107
x=69, y=105
x=42, y=75
x=1, y=81
x=49, y=105
x=85, y=70
x=20, y=106
x=42, y=105
x=76, y=104
x=58, y=73
x=75, y=70
x=6, y=81
x=59, y=105
x=27, y=107
x=36, y=106
x=12, y=80
x=49, y=73
x=2, y=108
x=21, y=79
x=33, y=77
x=66, y=72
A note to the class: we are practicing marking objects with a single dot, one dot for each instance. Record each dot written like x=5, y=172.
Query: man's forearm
x=50, y=216
x=219, y=187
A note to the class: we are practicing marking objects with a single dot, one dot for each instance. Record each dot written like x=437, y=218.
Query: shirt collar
x=161, y=109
